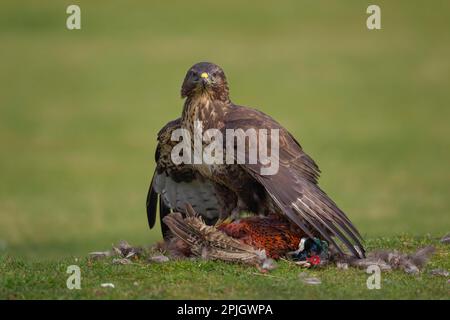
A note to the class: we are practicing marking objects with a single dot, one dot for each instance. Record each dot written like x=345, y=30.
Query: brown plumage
x=173, y=186
x=208, y=242
x=292, y=192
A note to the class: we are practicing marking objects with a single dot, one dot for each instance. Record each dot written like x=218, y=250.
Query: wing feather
x=151, y=203
x=294, y=188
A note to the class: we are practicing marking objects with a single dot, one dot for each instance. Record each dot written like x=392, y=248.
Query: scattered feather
x=107, y=285
x=269, y=264
x=122, y=261
x=312, y=281
x=303, y=264
x=388, y=260
x=175, y=247
x=440, y=272
x=124, y=249
x=342, y=265
x=158, y=259
x=100, y=254
x=309, y=280
x=446, y=239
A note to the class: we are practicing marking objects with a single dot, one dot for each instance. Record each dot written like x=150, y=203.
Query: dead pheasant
x=272, y=233
x=257, y=240
x=254, y=240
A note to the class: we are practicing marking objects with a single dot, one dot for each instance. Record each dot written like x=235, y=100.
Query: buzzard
x=219, y=190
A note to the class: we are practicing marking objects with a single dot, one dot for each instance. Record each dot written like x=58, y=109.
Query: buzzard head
x=205, y=78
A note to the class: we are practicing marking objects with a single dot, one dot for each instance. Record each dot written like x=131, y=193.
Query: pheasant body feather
x=210, y=243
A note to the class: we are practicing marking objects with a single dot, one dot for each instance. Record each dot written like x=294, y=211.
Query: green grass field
x=79, y=113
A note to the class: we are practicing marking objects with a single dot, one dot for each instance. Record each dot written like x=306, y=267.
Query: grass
x=79, y=111
x=218, y=280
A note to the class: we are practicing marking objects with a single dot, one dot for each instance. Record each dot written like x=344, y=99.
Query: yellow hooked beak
x=204, y=75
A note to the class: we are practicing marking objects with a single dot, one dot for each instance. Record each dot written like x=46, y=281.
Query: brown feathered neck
x=204, y=107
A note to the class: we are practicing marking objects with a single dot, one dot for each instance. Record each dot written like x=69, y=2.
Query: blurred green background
x=79, y=110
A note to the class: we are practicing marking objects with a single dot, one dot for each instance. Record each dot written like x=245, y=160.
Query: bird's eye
x=194, y=75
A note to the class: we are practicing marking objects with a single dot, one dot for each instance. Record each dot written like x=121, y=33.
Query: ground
x=79, y=113
x=218, y=280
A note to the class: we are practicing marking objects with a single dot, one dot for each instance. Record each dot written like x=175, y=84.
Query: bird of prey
x=292, y=192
